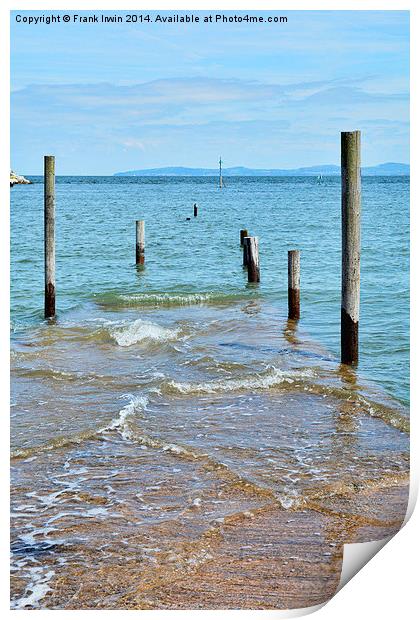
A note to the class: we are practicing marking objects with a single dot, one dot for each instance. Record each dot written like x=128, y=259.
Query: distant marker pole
x=350, y=258
x=243, y=233
x=195, y=210
x=49, y=235
x=293, y=264
x=253, y=259
x=140, y=242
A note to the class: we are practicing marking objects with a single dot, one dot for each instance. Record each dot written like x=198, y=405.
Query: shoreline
x=268, y=558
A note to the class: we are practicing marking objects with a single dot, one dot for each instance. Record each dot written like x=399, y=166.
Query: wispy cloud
x=186, y=121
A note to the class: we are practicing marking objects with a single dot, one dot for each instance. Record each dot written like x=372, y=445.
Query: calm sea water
x=170, y=400
x=95, y=251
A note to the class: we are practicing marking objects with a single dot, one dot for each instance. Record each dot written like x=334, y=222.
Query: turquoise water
x=201, y=257
x=168, y=401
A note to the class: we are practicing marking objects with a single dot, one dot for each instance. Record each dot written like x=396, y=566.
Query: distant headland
x=387, y=169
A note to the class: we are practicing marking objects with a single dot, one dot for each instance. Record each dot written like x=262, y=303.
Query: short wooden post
x=350, y=258
x=245, y=251
x=253, y=259
x=243, y=233
x=140, y=243
x=49, y=235
x=293, y=263
x=195, y=210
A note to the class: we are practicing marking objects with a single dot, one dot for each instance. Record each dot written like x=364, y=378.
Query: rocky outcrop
x=17, y=179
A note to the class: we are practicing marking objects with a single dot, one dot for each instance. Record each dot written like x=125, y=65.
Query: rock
x=17, y=179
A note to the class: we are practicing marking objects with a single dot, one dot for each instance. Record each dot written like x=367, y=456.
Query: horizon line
x=121, y=173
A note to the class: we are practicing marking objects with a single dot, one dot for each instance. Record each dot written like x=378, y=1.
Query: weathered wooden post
x=293, y=263
x=350, y=258
x=49, y=235
x=243, y=233
x=253, y=259
x=140, y=243
x=245, y=251
x=195, y=210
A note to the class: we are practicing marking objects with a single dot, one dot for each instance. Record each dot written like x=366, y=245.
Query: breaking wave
x=140, y=331
x=121, y=422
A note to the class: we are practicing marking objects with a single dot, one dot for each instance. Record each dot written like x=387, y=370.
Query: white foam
x=120, y=423
x=91, y=512
x=140, y=331
x=290, y=498
x=167, y=299
x=36, y=589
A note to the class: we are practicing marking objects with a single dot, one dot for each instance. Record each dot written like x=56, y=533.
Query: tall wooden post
x=140, y=242
x=243, y=233
x=293, y=263
x=350, y=259
x=253, y=259
x=49, y=235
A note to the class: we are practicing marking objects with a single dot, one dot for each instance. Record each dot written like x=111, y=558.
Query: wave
x=57, y=442
x=306, y=379
x=393, y=414
x=140, y=331
x=123, y=332
x=120, y=300
x=121, y=423
x=59, y=375
x=387, y=414
x=270, y=378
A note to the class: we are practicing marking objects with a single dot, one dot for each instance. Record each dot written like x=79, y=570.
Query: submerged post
x=293, y=263
x=350, y=258
x=49, y=235
x=253, y=259
x=195, y=210
x=140, y=243
x=243, y=233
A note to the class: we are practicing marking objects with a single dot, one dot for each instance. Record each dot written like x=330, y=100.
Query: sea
x=170, y=404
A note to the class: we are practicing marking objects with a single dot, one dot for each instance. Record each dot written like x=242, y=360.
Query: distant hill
x=388, y=169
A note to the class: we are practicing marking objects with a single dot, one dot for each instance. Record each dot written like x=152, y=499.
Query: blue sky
x=112, y=97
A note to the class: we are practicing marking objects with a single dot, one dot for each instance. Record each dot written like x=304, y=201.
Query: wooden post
x=253, y=259
x=195, y=210
x=350, y=258
x=140, y=243
x=293, y=263
x=243, y=233
x=49, y=235
x=245, y=251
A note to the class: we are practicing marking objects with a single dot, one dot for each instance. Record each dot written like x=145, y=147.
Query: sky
x=105, y=98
